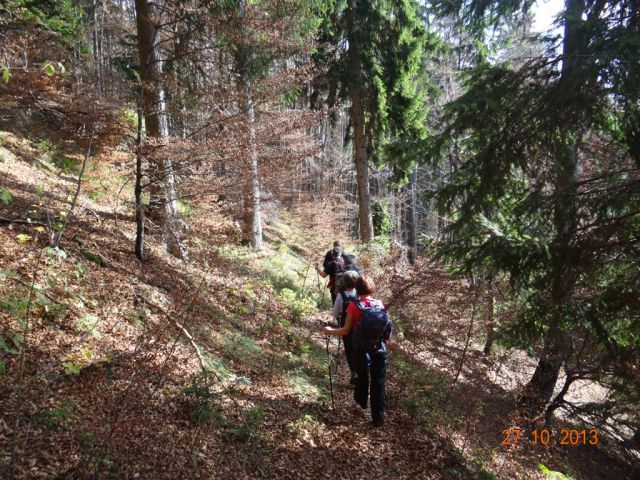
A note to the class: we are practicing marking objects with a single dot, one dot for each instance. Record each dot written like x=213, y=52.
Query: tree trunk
x=162, y=206
x=252, y=223
x=355, y=83
x=412, y=237
x=540, y=388
x=559, y=399
x=139, y=249
x=252, y=228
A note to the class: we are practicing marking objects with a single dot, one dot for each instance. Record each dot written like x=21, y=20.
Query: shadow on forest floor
x=135, y=409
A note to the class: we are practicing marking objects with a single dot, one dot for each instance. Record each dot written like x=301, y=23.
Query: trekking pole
x=333, y=405
x=321, y=290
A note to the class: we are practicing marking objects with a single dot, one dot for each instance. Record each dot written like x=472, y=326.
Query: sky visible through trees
x=545, y=13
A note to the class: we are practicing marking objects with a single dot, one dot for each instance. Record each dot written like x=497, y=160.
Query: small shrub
x=200, y=402
x=300, y=307
x=86, y=441
x=49, y=152
x=184, y=208
x=241, y=349
x=53, y=310
x=217, y=367
x=95, y=195
x=5, y=196
x=253, y=418
x=553, y=475
x=305, y=389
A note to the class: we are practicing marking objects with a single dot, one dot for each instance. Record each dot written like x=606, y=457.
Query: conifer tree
x=374, y=52
x=544, y=189
x=162, y=206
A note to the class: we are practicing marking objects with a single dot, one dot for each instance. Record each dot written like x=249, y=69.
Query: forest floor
x=215, y=368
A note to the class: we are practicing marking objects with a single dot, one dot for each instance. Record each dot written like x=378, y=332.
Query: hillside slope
x=215, y=368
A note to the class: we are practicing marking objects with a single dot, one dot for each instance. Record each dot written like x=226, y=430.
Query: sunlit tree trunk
x=252, y=222
x=252, y=228
x=139, y=249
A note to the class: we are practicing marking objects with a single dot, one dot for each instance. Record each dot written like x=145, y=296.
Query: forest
x=199, y=198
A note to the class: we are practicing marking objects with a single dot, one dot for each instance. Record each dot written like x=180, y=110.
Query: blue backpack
x=374, y=326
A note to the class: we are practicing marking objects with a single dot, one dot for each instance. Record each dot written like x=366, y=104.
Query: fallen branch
x=182, y=328
x=22, y=222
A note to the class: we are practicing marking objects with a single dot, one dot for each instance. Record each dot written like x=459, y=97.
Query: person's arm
x=338, y=332
x=322, y=273
x=327, y=260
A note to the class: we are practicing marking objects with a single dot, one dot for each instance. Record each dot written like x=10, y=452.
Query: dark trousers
x=372, y=364
x=334, y=295
x=348, y=351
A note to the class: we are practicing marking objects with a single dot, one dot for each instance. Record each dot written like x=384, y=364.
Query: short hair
x=365, y=285
x=349, y=260
x=336, y=252
x=337, y=243
x=350, y=279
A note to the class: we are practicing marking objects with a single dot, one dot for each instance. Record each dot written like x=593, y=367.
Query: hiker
x=328, y=257
x=348, y=265
x=335, y=266
x=343, y=300
x=370, y=327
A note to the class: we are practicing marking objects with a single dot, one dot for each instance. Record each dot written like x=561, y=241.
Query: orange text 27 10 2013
x=544, y=436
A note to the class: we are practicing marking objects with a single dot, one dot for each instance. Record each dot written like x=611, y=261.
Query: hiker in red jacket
x=369, y=324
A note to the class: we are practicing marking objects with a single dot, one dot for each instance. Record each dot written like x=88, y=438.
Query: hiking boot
x=354, y=377
x=378, y=422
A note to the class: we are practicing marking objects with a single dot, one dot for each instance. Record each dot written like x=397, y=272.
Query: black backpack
x=374, y=326
x=338, y=264
x=346, y=300
x=339, y=282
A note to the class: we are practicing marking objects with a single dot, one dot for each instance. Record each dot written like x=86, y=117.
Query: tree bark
x=355, y=88
x=252, y=229
x=539, y=390
x=139, y=248
x=162, y=205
